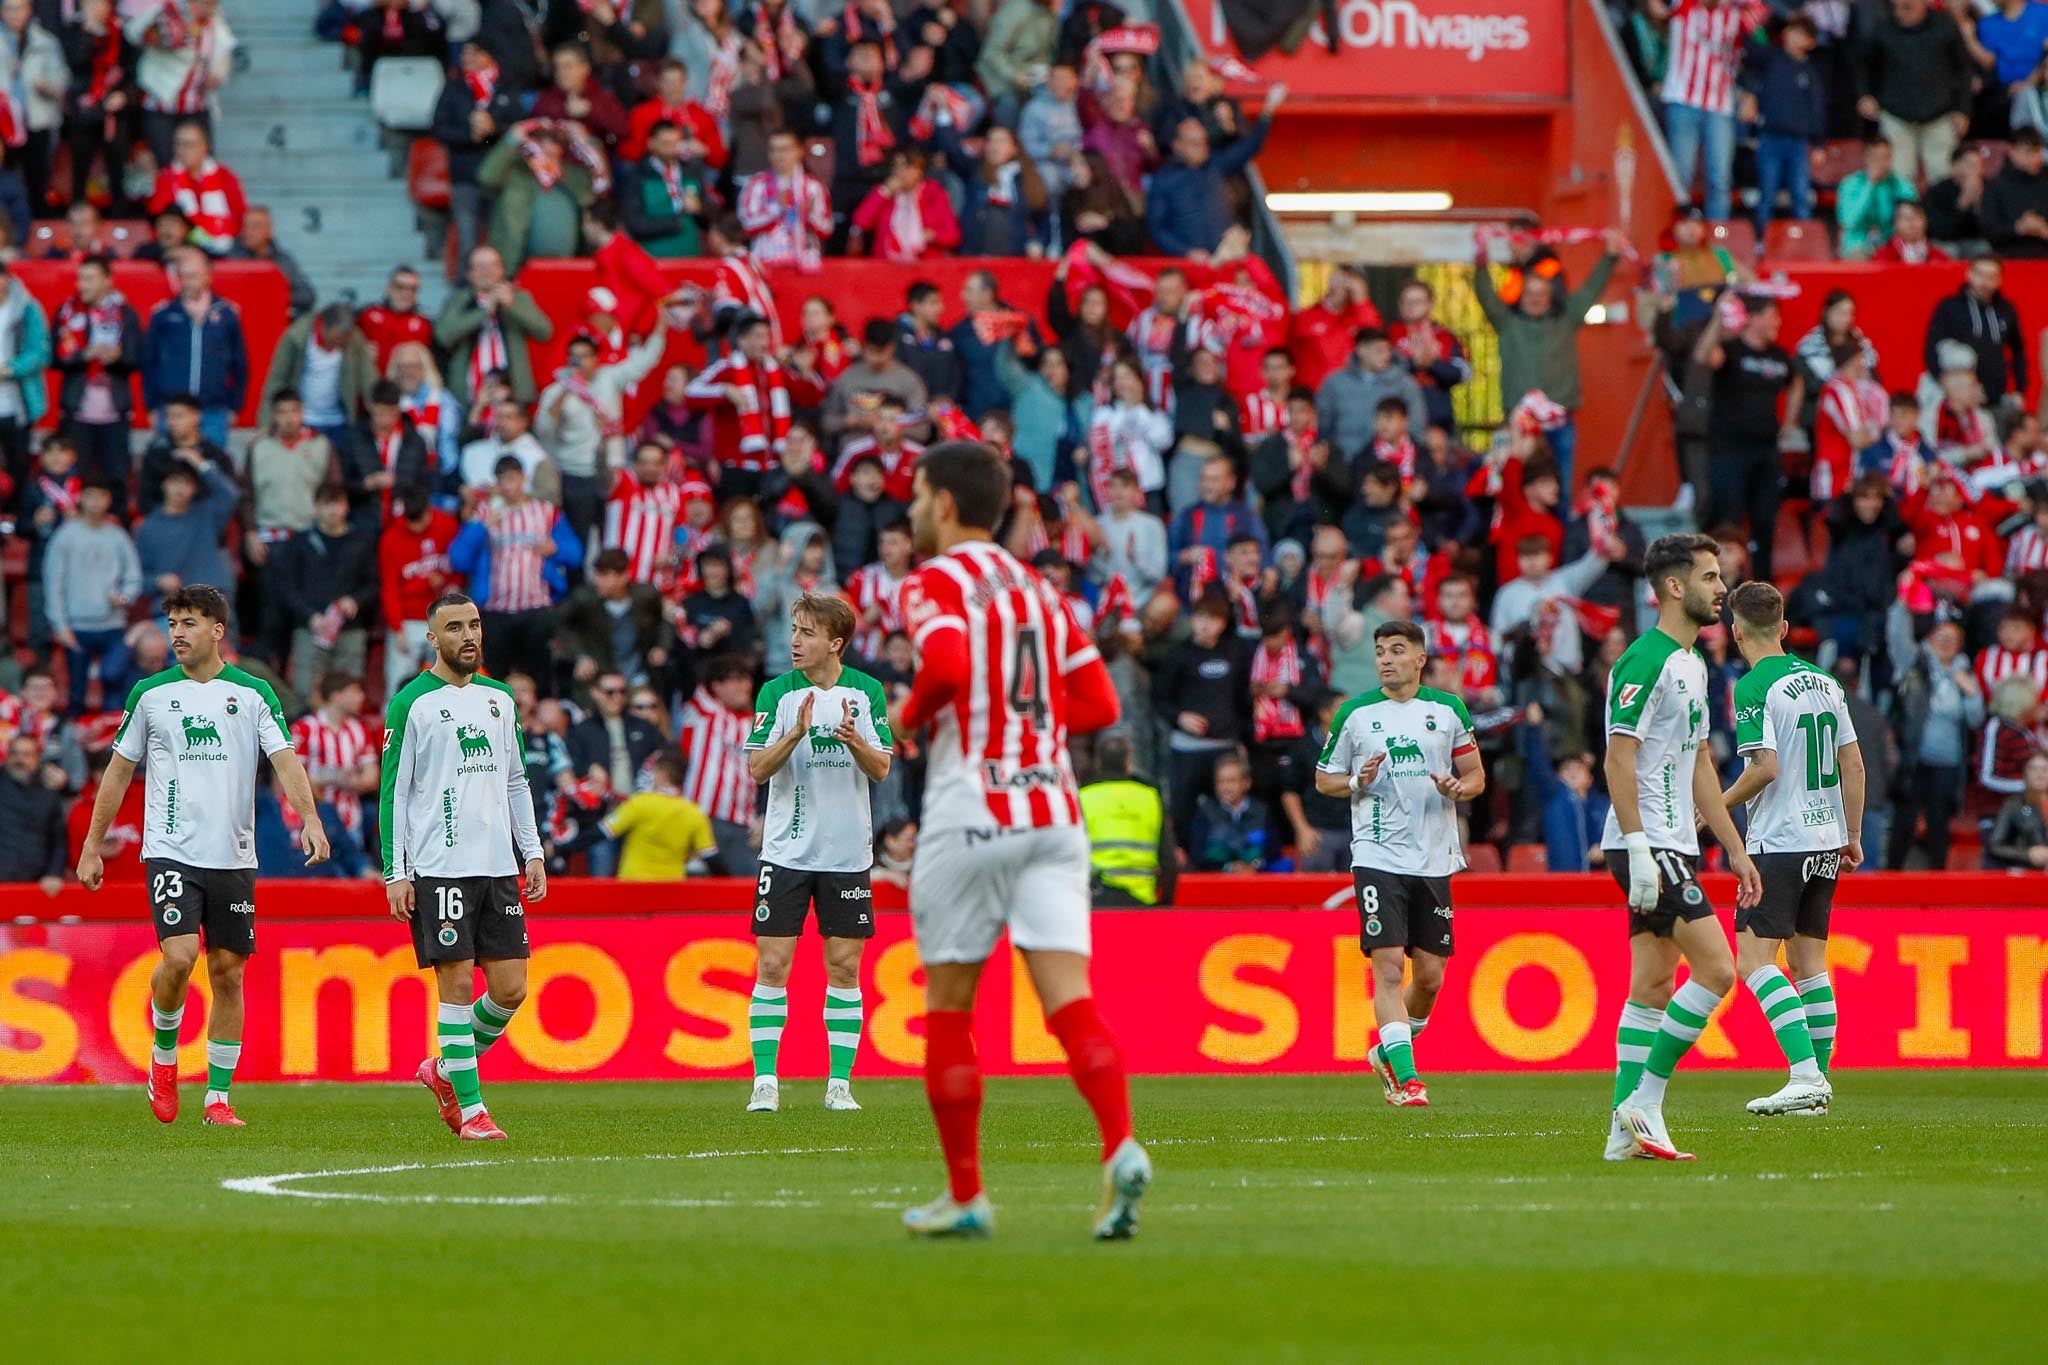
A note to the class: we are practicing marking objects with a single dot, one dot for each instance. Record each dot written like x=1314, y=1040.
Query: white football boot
x=767, y=1096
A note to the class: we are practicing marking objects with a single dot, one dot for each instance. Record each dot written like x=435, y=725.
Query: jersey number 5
x=1027, y=684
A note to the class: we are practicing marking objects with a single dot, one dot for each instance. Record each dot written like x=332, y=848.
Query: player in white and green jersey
x=820, y=738
x=198, y=728
x=1804, y=789
x=457, y=821
x=1660, y=779
x=1405, y=755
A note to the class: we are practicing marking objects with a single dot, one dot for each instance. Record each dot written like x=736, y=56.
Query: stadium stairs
x=315, y=156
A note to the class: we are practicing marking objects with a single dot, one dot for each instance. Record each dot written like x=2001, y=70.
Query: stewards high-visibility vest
x=1124, y=819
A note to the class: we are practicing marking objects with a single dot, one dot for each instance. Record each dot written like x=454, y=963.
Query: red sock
x=952, y=1082
x=1097, y=1067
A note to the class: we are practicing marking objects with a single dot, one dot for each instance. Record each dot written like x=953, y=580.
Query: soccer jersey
x=1402, y=823
x=818, y=819
x=1788, y=706
x=454, y=801
x=198, y=743
x=1657, y=695
x=660, y=832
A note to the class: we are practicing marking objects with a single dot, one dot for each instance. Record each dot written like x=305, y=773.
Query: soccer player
x=1405, y=755
x=1804, y=786
x=1004, y=675
x=458, y=822
x=197, y=728
x=820, y=737
x=1659, y=773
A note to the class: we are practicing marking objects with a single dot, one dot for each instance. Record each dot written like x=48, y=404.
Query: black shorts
x=467, y=919
x=1399, y=910
x=1799, y=894
x=844, y=901
x=217, y=901
x=1679, y=895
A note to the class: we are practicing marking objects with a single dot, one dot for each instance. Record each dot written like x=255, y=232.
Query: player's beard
x=1702, y=608
x=460, y=666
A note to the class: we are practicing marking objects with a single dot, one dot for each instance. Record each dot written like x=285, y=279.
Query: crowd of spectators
x=1232, y=493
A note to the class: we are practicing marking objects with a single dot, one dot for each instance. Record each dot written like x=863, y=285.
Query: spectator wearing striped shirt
x=716, y=720
x=2018, y=651
x=516, y=557
x=642, y=513
x=1706, y=38
x=339, y=749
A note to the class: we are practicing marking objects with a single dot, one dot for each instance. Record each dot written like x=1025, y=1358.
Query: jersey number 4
x=1821, y=728
x=1027, y=684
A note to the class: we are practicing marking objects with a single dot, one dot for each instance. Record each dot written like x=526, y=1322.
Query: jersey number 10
x=1821, y=728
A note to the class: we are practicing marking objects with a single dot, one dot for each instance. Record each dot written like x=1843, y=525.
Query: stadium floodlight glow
x=1359, y=201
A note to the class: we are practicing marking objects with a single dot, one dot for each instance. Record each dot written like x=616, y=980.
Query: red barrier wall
x=257, y=289
x=664, y=996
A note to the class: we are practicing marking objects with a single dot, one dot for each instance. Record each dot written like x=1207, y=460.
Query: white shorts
x=965, y=886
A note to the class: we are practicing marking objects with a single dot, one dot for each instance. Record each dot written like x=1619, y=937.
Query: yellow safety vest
x=1124, y=819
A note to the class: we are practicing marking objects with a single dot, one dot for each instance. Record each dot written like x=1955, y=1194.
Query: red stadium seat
x=1834, y=162
x=1737, y=236
x=426, y=173
x=1528, y=858
x=1797, y=239
x=125, y=238
x=48, y=239
x=1482, y=858
x=821, y=158
x=1962, y=859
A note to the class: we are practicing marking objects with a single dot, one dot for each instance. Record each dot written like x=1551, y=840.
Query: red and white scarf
x=490, y=353
x=81, y=326
x=764, y=414
x=1276, y=717
x=547, y=167
x=608, y=422
x=1298, y=447
x=1116, y=603
x=482, y=84
x=203, y=196
x=1596, y=506
x=1400, y=454
x=723, y=76
x=872, y=138
x=61, y=494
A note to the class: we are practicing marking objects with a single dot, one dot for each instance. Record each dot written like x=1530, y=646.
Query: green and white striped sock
x=1685, y=1019
x=1415, y=1028
x=1399, y=1051
x=163, y=1049
x=458, y=1058
x=1787, y=1015
x=220, y=1069
x=842, y=1029
x=1632, y=1039
x=767, y=1012
x=487, y=1020
x=1818, y=994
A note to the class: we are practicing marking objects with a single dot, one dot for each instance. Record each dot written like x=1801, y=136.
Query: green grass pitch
x=1293, y=1219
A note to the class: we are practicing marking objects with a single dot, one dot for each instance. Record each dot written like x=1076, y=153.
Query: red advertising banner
x=1460, y=50
x=664, y=997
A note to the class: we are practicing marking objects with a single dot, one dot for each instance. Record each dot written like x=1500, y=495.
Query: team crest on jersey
x=494, y=708
x=1429, y=722
x=1629, y=692
x=232, y=708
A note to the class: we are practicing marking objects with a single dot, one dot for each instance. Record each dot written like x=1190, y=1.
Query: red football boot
x=479, y=1128
x=163, y=1091
x=1413, y=1094
x=444, y=1094
x=221, y=1114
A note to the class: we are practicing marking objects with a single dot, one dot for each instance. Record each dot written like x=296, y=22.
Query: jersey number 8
x=449, y=901
x=1369, y=897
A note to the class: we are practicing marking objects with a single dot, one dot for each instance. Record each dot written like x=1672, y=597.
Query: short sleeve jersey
x=661, y=832
x=1402, y=823
x=818, y=815
x=1793, y=709
x=1657, y=695
x=198, y=742
x=454, y=800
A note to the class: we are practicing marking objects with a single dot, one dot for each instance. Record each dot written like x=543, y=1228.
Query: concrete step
x=287, y=80
x=244, y=135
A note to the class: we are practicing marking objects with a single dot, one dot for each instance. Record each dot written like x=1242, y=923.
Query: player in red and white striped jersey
x=641, y=514
x=338, y=747
x=876, y=590
x=716, y=720
x=1004, y=674
x=1706, y=38
x=2018, y=650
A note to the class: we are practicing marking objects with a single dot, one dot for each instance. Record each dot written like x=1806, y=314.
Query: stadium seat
x=1962, y=859
x=426, y=173
x=1797, y=239
x=47, y=239
x=404, y=91
x=125, y=238
x=1790, y=559
x=1737, y=236
x=1482, y=858
x=820, y=159
x=1833, y=162
x=1528, y=858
